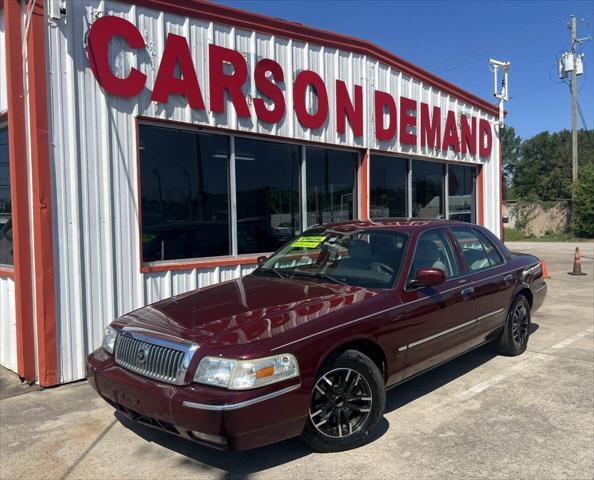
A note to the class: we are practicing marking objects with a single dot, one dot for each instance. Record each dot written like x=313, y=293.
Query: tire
x=347, y=403
x=514, y=338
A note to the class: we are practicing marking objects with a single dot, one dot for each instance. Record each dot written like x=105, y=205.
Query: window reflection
x=427, y=189
x=388, y=180
x=267, y=182
x=184, y=190
x=6, y=244
x=461, y=182
x=330, y=185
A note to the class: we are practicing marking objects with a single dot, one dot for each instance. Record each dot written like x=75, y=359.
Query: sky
x=454, y=39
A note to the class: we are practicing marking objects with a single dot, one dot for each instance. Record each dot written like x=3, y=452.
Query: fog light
x=206, y=437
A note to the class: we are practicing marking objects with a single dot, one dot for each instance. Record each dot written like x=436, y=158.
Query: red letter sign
x=450, y=135
x=270, y=90
x=219, y=82
x=345, y=108
x=430, y=130
x=382, y=100
x=177, y=51
x=407, y=120
x=101, y=32
x=305, y=79
x=468, y=134
x=485, y=131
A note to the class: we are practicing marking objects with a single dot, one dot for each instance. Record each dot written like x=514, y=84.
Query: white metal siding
x=3, y=88
x=8, y=348
x=93, y=152
x=8, y=351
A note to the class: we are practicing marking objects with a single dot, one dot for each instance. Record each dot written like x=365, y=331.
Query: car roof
x=396, y=224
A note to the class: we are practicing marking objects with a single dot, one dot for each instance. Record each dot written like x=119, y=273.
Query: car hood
x=245, y=310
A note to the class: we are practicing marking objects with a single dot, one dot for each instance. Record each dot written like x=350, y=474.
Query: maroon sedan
x=309, y=342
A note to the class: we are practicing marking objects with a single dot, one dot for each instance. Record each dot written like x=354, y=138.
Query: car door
x=492, y=280
x=439, y=320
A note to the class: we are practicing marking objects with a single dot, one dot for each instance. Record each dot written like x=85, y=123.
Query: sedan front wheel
x=347, y=402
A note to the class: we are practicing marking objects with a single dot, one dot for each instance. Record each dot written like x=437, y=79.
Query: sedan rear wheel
x=347, y=402
x=514, y=338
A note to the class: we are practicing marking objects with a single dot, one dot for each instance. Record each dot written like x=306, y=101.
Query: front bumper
x=219, y=418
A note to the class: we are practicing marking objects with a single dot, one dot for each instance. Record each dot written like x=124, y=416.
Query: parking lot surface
x=479, y=416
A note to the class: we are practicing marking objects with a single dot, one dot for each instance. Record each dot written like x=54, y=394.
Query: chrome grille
x=151, y=359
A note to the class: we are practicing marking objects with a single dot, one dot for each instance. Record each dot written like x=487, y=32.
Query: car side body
x=405, y=330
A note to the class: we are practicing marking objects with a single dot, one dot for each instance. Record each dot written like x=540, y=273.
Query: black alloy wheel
x=347, y=401
x=341, y=403
x=513, y=340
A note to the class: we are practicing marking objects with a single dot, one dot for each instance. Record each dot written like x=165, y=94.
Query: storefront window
x=185, y=194
x=6, y=253
x=461, y=204
x=267, y=183
x=330, y=185
x=427, y=189
x=387, y=182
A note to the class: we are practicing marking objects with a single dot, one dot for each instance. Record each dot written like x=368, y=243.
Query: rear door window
x=477, y=251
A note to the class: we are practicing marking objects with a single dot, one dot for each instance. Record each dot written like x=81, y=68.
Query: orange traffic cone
x=545, y=270
x=577, y=264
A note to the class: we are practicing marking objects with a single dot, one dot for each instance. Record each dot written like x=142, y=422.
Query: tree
x=512, y=145
x=543, y=169
x=583, y=205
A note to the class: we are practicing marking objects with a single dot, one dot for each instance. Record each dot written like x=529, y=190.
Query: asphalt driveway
x=479, y=416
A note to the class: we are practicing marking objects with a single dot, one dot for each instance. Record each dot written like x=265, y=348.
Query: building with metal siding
x=91, y=258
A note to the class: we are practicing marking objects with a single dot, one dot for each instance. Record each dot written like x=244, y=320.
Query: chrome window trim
x=245, y=403
x=162, y=340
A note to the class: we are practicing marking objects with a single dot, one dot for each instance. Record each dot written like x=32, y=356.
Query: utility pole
x=573, y=63
x=574, y=137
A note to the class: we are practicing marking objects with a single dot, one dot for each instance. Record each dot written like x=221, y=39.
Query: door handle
x=508, y=278
x=467, y=292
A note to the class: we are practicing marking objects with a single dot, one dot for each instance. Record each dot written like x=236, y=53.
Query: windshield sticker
x=308, y=242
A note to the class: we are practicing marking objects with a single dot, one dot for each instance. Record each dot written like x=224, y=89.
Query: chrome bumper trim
x=246, y=403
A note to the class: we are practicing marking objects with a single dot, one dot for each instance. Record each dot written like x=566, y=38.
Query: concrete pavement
x=479, y=416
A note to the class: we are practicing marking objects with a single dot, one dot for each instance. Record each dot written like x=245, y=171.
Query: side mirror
x=430, y=277
x=261, y=260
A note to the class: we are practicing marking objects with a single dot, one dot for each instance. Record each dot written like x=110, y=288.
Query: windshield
x=363, y=258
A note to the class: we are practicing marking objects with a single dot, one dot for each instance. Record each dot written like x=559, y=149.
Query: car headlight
x=109, y=338
x=244, y=374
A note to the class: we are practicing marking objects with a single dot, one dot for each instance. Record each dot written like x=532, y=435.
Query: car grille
x=145, y=358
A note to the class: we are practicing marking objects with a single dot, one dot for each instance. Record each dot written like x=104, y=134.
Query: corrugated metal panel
x=3, y=87
x=94, y=154
x=8, y=347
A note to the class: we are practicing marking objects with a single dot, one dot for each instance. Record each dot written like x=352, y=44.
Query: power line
x=484, y=49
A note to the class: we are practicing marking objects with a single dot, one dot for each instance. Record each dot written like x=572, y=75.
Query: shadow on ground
x=242, y=464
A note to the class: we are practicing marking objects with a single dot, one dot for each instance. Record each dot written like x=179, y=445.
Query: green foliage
x=512, y=145
x=513, y=235
x=583, y=206
x=540, y=169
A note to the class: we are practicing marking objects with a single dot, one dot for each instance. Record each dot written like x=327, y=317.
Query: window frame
x=474, y=194
x=234, y=259
x=409, y=181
